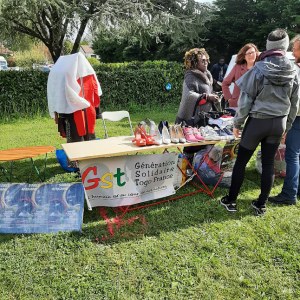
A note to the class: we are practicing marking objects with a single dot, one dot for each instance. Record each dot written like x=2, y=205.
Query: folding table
x=122, y=146
x=12, y=155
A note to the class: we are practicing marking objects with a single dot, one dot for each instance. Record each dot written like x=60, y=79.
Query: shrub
x=94, y=61
x=36, y=55
x=23, y=93
x=131, y=86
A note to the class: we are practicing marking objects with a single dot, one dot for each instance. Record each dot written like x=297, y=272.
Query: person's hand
x=236, y=133
x=213, y=98
x=283, y=139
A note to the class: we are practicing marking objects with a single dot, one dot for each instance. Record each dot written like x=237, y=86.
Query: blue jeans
x=292, y=153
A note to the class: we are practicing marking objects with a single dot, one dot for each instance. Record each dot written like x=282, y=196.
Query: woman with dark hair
x=197, y=85
x=245, y=60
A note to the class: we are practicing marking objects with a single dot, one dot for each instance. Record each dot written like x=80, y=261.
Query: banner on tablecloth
x=127, y=180
x=41, y=208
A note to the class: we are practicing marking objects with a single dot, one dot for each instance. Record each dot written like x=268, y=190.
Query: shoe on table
x=281, y=200
x=229, y=205
x=259, y=209
x=209, y=134
x=197, y=134
x=189, y=134
x=179, y=133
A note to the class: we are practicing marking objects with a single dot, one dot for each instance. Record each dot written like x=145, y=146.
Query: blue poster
x=41, y=208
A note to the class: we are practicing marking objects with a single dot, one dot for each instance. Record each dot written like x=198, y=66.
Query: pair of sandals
x=142, y=138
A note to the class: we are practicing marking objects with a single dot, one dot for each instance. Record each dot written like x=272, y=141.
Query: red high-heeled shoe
x=138, y=140
x=150, y=139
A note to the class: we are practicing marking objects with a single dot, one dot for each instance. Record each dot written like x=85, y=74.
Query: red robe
x=91, y=94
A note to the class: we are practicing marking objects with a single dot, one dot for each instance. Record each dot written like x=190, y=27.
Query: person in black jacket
x=218, y=71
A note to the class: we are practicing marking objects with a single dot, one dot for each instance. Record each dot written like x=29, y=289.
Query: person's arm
x=295, y=97
x=230, y=78
x=244, y=107
x=250, y=83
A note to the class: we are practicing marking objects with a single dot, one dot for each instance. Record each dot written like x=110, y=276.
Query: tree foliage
x=174, y=26
x=53, y=21
x=238, y=22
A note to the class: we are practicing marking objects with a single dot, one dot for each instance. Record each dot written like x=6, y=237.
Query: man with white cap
x=290, y=188
x=269, y=101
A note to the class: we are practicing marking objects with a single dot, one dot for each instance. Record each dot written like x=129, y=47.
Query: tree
x=175, y=26
x=238, y=22
x=53, y=21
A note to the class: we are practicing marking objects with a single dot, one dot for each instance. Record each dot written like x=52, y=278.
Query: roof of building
x=87, y=49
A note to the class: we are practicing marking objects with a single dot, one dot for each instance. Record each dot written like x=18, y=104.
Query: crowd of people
x=266, y=98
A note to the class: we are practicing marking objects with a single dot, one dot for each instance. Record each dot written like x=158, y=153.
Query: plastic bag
x=279, y=162
x=215, y=161
x=63, y=160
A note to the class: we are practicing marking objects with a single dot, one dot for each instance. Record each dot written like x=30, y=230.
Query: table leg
x=42, y=174
x=7, y=173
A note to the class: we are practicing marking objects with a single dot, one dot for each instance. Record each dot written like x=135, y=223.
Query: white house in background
x=88, y=52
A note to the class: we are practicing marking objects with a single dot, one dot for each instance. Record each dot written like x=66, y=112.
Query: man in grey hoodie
x=269, y=101
x=290, y=188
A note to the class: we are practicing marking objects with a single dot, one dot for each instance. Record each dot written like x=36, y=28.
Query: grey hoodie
x=270, y=89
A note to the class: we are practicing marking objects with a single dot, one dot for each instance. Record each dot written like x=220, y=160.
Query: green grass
x=188, y=249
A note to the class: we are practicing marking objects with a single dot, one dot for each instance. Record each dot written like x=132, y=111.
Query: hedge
x=128, y=86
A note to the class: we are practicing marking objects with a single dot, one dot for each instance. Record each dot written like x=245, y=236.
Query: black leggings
x=268, y=152
x=269, y=136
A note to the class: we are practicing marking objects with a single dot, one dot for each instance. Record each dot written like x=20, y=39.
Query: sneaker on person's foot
x=259, y=209
x=229, y=205
x=281, y=200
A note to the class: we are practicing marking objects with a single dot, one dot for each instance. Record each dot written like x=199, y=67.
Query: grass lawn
x=188, y=249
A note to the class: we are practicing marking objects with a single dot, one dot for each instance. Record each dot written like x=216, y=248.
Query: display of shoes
x=165, y=134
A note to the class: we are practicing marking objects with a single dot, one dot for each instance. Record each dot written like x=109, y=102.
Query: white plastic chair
x=115, y=116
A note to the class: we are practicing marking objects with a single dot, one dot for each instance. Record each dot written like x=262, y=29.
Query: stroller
x=200, y=117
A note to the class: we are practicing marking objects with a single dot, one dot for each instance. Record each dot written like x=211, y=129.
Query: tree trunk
x=79, y=35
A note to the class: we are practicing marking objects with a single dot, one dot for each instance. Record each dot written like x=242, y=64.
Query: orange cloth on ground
x=91, y=94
